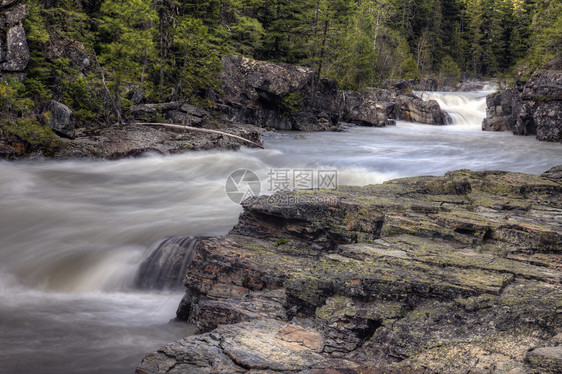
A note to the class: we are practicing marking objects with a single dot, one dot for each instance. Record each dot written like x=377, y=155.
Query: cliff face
x=453, y=274
x=534, y=108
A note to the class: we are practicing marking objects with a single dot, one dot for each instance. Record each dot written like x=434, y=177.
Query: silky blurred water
x=73, y=233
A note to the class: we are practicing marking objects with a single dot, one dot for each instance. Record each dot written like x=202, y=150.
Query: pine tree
x=128, y=28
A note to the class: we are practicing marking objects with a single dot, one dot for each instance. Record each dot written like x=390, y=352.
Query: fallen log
x=190, y=128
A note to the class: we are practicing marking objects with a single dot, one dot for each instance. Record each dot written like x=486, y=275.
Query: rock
x=7, y=152
x=427, y=84
x=458, y=274
x=502, y=111
x=17, y=55
x=533, y=109
x=364, y=109
x=468, y=86
x=120, y=141
x=20, y=146
x=548, y=121
x=245, y=347
x=61, y=119
x=247, y=82
x=7, y=3
x=14, y=51
x=412, y=108
x=284, y=97
x=73, y=51
x=547, y=359
x=13, y=16
x=173, y=112
x=554, y=173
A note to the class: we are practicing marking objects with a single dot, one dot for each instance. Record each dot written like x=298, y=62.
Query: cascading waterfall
x=77, y=237
x=466, y=109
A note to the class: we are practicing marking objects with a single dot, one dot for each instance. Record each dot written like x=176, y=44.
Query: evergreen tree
x=127, y=26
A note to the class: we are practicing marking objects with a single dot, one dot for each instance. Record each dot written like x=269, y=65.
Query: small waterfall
x=165, y=267
x=466, y=109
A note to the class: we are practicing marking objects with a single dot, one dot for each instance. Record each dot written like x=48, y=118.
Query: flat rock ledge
x=121, y=141
x=453, y=274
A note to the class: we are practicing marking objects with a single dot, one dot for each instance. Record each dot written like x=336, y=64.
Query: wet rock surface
x=458, y=274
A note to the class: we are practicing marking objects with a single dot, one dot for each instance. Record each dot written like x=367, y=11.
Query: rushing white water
x=73, y=233
x=466, y=109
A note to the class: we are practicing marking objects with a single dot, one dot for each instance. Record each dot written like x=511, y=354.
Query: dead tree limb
x=190, y=128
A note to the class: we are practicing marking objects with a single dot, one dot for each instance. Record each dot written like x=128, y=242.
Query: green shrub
x=290, y=103
x=281, y=241
x=41, y=138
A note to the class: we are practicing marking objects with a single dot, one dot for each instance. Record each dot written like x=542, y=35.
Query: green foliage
x=546, y=39
x=247, y=35
x=449, y=70
x=290, y=103
x=12, y=101
x=41, y=138
x=163, y=50
x=281, y=241
x=88, y=107
x=197, y=61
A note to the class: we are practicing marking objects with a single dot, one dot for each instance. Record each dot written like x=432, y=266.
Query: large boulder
x=502, y=111
x=175, y=112
x=412, y=108
x=363, y=109
x=251, y=82
x=60, y=119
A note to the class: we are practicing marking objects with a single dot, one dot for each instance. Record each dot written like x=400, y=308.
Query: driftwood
x=190, y=128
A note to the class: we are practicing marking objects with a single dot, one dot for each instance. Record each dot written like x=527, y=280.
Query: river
x=73, y=233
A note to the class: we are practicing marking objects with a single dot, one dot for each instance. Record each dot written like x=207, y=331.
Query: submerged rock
x=460, y=273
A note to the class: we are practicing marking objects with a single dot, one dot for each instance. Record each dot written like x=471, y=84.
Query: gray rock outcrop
x=452, y=274
x=533, y=109
x=14, y=51
x=285, y=97
x=61, y=119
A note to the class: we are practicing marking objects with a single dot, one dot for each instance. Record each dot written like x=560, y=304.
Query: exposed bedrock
x=460, y=273
x=288, y=97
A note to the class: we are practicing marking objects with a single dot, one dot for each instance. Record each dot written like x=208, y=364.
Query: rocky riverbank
x=254, y=95
x=458, y=274
x=533, y=107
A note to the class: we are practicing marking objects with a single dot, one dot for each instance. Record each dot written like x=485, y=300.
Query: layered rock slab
x=429, y=274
